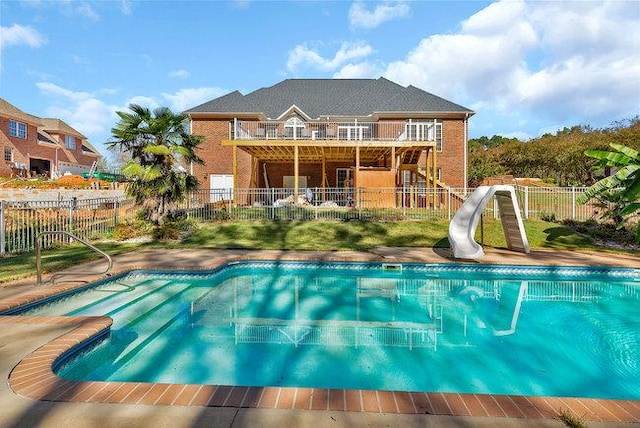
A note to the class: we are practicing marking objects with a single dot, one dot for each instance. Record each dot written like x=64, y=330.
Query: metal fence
x=21, y=221
x=379, y=204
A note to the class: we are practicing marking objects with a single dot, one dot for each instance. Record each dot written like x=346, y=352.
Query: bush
x=607, y=232
x=132, y=229
x=550, y=217
x=174, y=229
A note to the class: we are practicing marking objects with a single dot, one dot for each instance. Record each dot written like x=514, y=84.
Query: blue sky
x=526, y=67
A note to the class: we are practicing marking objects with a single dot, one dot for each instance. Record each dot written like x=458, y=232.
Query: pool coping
x=33, y=377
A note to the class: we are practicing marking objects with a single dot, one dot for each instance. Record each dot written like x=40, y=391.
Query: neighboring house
x=46, y=147
x=323, y=133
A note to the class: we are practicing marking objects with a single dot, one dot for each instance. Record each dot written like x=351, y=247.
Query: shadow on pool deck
x=19, y=340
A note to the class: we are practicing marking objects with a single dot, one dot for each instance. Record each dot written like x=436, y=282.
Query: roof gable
x=60, y=127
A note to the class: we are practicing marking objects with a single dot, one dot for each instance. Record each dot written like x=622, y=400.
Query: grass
x=304, y=235
x=571, y=420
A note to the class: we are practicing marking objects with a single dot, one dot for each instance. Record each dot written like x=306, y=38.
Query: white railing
x=21, y=222
x=349, y=130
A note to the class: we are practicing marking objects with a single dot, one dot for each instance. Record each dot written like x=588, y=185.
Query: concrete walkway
x=17, y=341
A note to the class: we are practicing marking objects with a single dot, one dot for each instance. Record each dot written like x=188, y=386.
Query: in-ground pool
x=548, y=331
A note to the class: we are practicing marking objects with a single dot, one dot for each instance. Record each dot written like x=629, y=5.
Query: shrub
x=174, y=229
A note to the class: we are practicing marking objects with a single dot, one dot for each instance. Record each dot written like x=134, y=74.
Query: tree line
x=556, y=159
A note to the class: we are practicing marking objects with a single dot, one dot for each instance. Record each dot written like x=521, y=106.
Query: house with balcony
x=33, y=146
x=331, y=134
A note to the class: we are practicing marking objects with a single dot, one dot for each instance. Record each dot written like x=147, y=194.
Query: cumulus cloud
x=191, y=97
x=360, y=17
x=303, y=56
x=17, y=35
x=179, y=74
x=362, y=70
x=572, y=61
x=84, y=111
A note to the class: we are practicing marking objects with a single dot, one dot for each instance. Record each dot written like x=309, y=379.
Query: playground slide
x=462, y=228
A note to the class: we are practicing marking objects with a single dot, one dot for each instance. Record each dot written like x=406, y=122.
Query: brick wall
x=451, y=158
x=26, y=149
x=218, y=159
x=22, y=148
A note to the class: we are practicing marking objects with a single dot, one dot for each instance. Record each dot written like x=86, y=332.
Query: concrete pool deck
x=268, y=407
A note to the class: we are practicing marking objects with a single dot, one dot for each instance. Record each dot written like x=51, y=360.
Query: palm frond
x=157, y=150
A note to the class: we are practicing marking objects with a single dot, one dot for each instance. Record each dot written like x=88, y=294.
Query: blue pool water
x=411, y=327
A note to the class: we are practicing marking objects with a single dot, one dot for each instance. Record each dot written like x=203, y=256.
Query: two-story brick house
x=31, y=145
x=331, y=133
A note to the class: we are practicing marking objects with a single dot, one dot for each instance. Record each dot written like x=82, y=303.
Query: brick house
x=331, y=133
x=31, y=145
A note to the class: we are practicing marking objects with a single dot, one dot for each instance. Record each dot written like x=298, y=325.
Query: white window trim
x=18, y=125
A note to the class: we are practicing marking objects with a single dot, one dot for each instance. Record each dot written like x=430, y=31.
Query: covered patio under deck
x=374, y=163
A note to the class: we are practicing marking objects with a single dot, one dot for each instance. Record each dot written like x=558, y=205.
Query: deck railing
x=348, y=130
x=22, y=221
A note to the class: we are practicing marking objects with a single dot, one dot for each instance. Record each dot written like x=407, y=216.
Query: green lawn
x=304, y=235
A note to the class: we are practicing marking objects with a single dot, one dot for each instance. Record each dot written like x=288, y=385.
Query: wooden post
x=356, y=179
x=235, y=175
x=296, y=171
x=435, y=173
x=393, y=164
x=324, y=175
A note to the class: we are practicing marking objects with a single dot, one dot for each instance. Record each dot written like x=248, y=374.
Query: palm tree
x=623, y=187
x=160, y=147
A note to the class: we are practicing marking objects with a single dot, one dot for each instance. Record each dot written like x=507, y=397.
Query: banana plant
x=623, y=186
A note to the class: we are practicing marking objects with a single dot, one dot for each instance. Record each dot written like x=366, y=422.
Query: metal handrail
x=72, y=236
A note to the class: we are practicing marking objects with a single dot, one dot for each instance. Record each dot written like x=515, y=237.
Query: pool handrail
x=38, y=250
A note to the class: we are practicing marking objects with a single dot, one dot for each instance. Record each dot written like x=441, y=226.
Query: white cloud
x=570, y=61
x=85, y=9
x=82, y=110
x=362, y=70
x=141, y=100
x=20, y=35
x=303, y=56
x=191, y=97
x=179, y=74
x=125, y=7
x=360, y=17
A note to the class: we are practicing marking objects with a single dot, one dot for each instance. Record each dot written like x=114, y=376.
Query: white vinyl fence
x=21, y=221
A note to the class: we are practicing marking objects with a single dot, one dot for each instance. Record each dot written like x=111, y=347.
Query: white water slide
x=462, y=228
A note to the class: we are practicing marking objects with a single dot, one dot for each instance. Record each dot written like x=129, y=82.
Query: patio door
x=221, y=187
x=344, y=177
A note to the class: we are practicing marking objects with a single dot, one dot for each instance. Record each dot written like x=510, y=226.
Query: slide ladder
x=462, y=228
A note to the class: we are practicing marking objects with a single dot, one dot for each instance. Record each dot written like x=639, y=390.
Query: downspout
x=466, y=148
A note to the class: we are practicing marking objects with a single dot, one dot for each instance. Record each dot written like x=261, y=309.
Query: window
x=8, y=154
x=17, y=129
x=70, y=142
x=294, y=128
x=425, y=130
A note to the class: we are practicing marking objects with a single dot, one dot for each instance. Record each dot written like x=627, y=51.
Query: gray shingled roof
x=331, y=97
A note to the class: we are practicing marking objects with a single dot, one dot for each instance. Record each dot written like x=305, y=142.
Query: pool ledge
x=33, y=377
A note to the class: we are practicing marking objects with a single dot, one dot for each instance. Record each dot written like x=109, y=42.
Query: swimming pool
x=489, y=329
